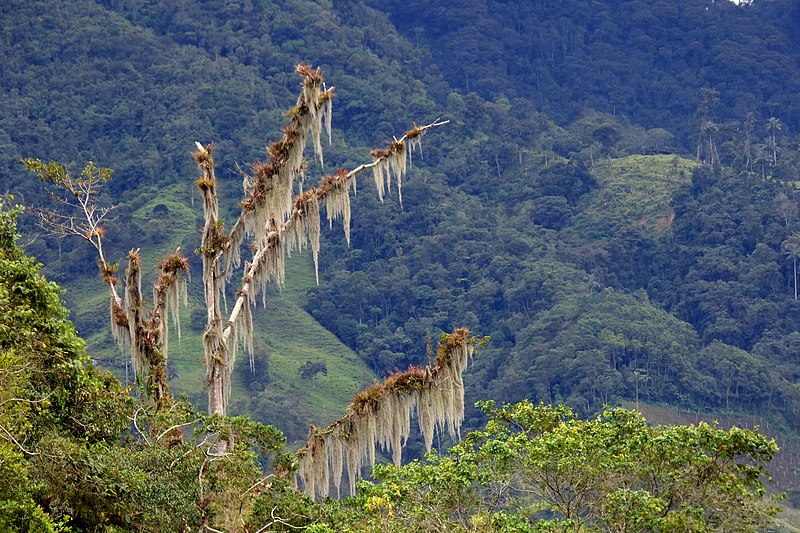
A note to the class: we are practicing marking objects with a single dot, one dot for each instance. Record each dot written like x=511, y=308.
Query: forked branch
x=276, y=223
x=81, y=214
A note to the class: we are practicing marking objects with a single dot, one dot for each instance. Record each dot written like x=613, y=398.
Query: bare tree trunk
x=211, y=249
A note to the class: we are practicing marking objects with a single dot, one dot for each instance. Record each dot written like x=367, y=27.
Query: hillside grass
x=292, y=337
x=632, y=192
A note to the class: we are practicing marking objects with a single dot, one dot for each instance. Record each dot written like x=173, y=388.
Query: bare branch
x=16, y=442
x=172, y=428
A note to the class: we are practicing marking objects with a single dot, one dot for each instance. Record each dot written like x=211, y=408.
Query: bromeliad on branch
x=78, y=211
x=274, y=222
x=381, y=416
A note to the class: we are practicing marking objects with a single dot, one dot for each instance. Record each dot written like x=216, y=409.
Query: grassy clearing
x=292, y=337
x=633, y=191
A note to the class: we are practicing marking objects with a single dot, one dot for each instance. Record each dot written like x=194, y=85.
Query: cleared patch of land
x=632, y=192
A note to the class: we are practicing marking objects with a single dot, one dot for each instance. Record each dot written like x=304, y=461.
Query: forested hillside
x=640, y=59
x=613, y=201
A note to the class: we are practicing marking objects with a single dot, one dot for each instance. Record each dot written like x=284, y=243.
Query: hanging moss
x=168, y=293
x=338, y=205
x=278, y=224
x=243, y=335
x=120, y=328
x=381, y=416
x=392, y=162
x=133, y=310
x=304, y=229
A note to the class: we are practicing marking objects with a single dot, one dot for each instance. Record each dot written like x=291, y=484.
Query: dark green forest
x=613, y=202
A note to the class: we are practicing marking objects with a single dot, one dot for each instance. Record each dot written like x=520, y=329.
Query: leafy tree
x=18, y=509
x=539, y=468
x=310, y=369
x=77, y=453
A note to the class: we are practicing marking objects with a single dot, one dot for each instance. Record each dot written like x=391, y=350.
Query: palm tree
x=772, y=150
x=791, y=248
x=710, y=130
x=749, y=125
x=762, y=156
x=773, y=125
x=710, y=98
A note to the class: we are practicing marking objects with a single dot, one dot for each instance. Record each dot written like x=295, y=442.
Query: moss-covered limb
x=270, y=193
x=276, y=223
x=80, y=213
x=268, y=199
x=218, y=365
x=168, y=293
x=134, y=310
x=381, y=416
x=148, y=331
x=301, y=228
x=302, y=225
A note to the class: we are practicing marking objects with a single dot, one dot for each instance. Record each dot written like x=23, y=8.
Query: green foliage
x=645, y=60
x=635, y=193
x=591, y=349
x=18, y=510
x=155, y=482
x=539, y=468
x=512, y=224
x=310, y=369
x=61, y=387
x=60, y=175
x=79, y=453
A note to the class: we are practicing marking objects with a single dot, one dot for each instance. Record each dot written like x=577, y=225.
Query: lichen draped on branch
x=380, y=416
x=275, y=223
x=148, y=333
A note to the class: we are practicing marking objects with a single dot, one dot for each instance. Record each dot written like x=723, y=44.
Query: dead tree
x=275, y=222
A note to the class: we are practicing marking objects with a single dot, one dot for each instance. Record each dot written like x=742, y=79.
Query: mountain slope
x=511, y=219
x=645, y=59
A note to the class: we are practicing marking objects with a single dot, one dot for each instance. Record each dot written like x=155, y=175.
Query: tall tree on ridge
x=791, y=248
x=710, y=98
x=773, y=125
